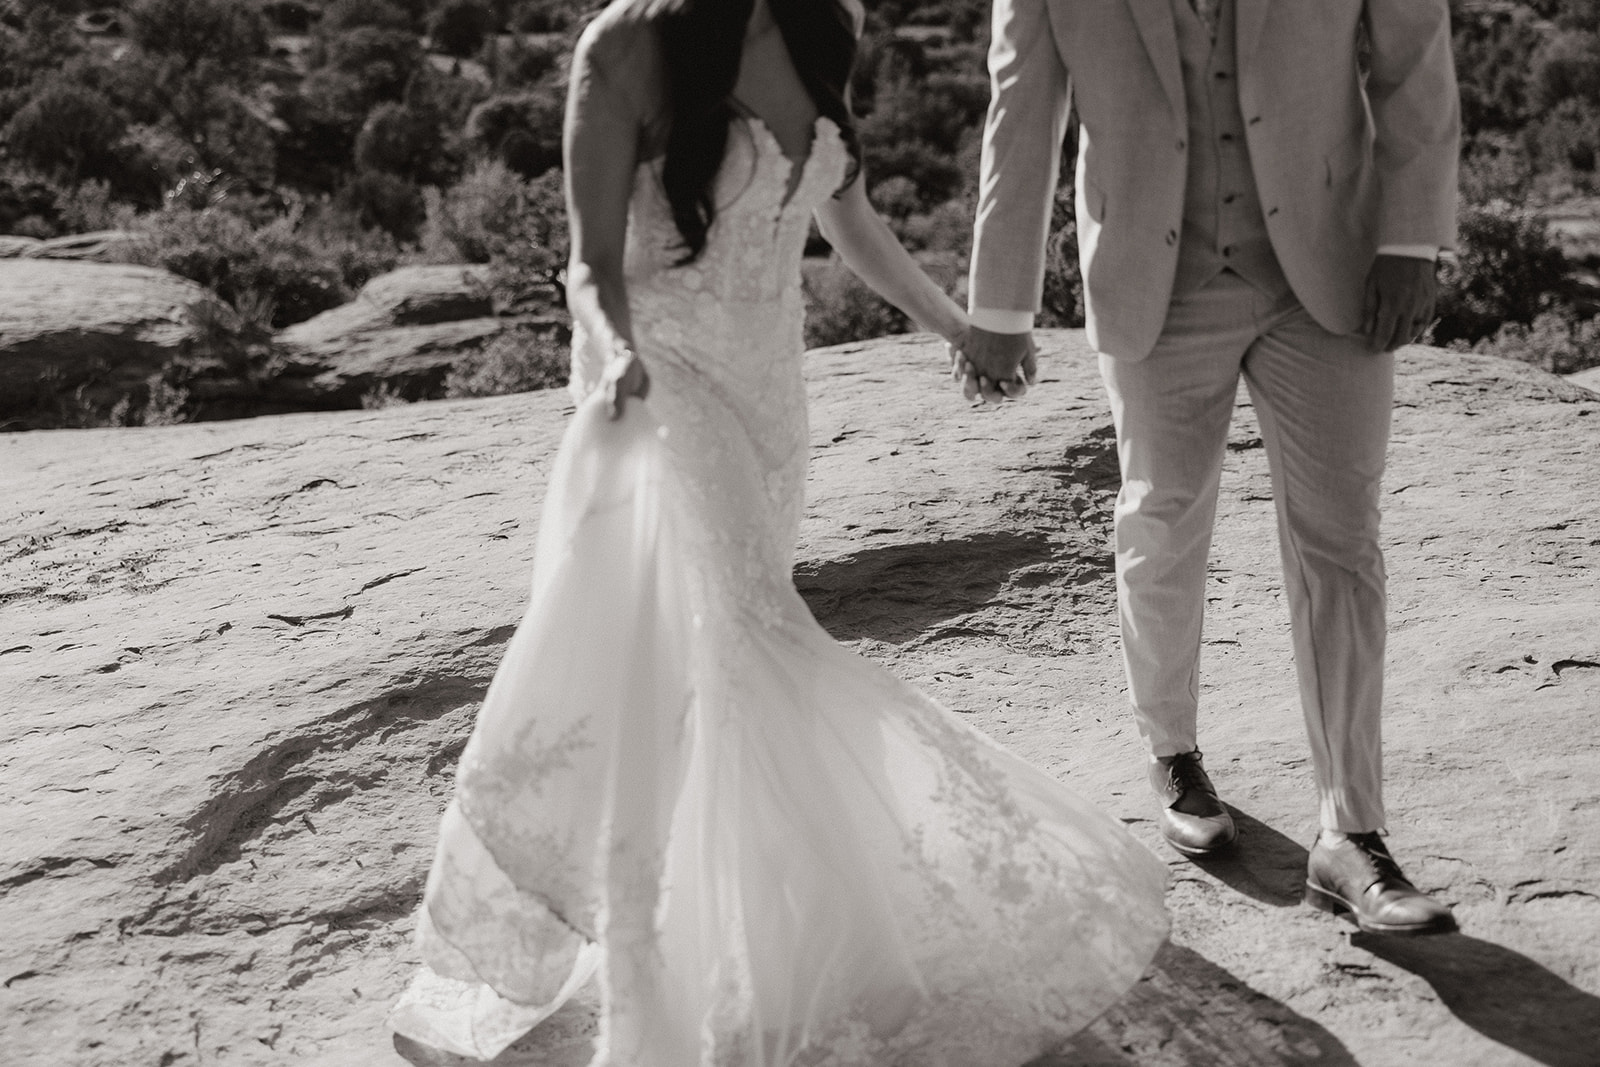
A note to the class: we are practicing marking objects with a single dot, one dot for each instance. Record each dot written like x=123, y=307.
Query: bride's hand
x=624, y=377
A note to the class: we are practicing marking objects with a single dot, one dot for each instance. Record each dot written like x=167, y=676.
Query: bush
x=1061, y=303
x=389, y=202
x=522, y=129
x=68, y=130
x=523, y=63
x=240, y=263
x=1494, y=166
x=398, y=139
x=840, y=308
x=542, y=16
x=344, y=15
x=377, y=62
x=1554, y=342
x=221, y=32
x=520, y=360
x=1509, y=271
x=459, y=27
x=1569, y=136
x=1567, y=67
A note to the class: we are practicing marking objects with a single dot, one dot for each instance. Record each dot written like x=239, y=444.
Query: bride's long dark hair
x=701, y=42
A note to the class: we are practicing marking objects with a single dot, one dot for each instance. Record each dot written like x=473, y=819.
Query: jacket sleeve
x=1027, y=121
x=1416, y=109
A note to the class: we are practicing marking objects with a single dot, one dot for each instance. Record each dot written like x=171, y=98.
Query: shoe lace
x=1384, y=866
x=1185, y=773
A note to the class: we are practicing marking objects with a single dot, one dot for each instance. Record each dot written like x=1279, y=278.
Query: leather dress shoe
x=1358, y=879
x=1193, y=820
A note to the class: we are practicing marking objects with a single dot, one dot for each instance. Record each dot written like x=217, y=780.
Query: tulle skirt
x=772, y=851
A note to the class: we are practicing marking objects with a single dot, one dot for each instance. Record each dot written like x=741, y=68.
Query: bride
x=773, y=852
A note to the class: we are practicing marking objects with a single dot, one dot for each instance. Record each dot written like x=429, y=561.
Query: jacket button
x=1272, y=212
x=1172, y=237
x=1182, y=144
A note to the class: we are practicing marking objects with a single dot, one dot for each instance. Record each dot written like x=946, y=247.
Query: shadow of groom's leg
x=1502, y=994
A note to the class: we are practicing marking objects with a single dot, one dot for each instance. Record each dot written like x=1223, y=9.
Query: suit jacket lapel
x=1251, y=16
x=1160, y=33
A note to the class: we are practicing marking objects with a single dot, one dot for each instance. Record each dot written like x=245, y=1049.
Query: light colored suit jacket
x=1345, y=162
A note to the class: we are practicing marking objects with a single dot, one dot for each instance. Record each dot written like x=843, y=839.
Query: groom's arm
x=1416, y=112
x=1027, y=121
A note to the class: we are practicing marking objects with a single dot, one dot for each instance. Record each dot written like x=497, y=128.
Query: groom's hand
x=1401, y=292
x=996, y=366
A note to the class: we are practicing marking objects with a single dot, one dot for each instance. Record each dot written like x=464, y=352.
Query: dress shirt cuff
x=1428, y=252
x=996, y=321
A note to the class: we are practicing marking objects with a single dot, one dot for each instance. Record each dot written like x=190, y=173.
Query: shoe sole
x=1334, y=904
x=1192, y=852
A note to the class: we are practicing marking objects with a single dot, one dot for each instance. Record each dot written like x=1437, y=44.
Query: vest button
x=1230, y=198
x=1182, y=144
x=1227, y=138
x=1227, y=250
x=1222, y=75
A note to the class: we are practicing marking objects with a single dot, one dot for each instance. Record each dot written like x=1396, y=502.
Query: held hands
x=1400, y=296
x=623, y=377
x=994, y=366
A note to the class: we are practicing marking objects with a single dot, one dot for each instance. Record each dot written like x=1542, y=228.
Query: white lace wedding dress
x=774, y=852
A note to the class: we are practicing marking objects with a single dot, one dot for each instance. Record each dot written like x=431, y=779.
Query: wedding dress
x=774, y=852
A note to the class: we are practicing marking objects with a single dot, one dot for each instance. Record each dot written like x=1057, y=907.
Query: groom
x=1262, y=189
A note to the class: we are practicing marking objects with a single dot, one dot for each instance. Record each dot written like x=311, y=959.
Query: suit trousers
x=1323, y=402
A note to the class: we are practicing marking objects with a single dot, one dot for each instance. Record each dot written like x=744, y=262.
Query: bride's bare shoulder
x=620, y=51
x=621, y=41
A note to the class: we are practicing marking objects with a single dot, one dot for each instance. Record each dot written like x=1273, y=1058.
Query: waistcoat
x=1223, y=226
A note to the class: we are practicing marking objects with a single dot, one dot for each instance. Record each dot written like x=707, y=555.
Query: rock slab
x=64, y=321
x=238, y=661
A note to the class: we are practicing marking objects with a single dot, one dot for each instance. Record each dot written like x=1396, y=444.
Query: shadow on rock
x=901, y=592
x=566, y=1039
x=1263, y=864
x=1502, y=994
x=1187, y=1010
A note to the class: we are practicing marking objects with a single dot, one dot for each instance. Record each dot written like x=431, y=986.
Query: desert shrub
x=288, y=16
x=90, y=206
x=542, y=16
x=399, y=139
x=66, y=129
x=519, y=360
x=1493, y=57
x=242, y=263
x=523, y=129
x=1509, y=270
x=344, y=15
x=459, y=27
x=221, y=32
x=522, y=62
x=386, y=201
x=1569, y=136
x=1495, y=166
x=29, y=205
x=840, y=308
x=1555, y=342
x=896, y=198
x=1567, y=67
x=376, y=62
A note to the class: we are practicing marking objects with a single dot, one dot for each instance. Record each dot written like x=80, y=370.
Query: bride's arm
x=868, y=247
x=600, y=152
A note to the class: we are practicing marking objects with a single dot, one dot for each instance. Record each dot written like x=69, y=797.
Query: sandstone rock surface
x=12, y=247
x=238, y=661
x=61, y=321
x=403, y=331
x=97, y=246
